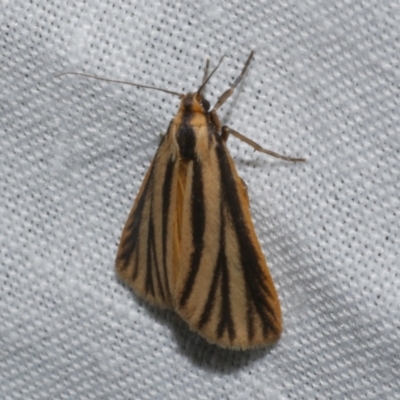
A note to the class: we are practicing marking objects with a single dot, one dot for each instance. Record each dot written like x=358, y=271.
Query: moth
x=189, y=242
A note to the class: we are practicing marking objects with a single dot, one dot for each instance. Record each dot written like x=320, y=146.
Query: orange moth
x=189, y=243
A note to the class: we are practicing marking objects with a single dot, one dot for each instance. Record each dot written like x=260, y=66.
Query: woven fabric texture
x=324, y=85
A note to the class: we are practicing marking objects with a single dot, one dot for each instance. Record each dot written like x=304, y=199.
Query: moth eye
x=205, y=104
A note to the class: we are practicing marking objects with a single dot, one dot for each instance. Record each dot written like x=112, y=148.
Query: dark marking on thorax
x=186, y=136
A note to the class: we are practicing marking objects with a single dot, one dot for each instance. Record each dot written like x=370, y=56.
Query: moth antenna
x=225, y=96
x=206, y=70
x=180, y=95
x=205, y=80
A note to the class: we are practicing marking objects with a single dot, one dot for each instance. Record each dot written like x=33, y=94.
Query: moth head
x=195, y=102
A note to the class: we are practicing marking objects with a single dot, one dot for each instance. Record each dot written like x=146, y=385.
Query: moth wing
x=146, y=249
x=224, y=290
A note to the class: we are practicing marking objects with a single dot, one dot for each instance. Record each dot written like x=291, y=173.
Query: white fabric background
x=324, y=85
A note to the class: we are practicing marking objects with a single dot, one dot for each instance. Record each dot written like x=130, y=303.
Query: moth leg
x=206, y=70
x=228, y=93
x=225, y=134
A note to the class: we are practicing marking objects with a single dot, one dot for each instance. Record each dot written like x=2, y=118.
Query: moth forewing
x=222, y=291
x=267, y=324
x=144, y=258
x=263, y=312
x=129, y=248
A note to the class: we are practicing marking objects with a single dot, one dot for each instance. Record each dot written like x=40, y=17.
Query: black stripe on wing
x=198, y=214
x=257, y=292
x=130, y=238
x=220, y=278
x=166, y=204
x=156, y=276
